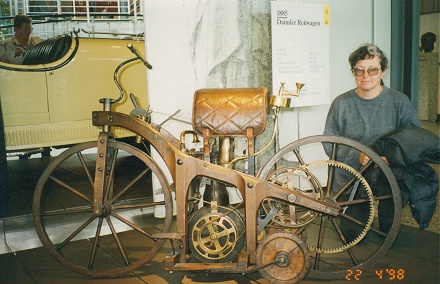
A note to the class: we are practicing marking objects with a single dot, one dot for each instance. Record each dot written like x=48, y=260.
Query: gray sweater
x=367, y=120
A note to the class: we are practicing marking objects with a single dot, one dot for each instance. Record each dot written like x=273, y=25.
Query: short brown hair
x=20, y=19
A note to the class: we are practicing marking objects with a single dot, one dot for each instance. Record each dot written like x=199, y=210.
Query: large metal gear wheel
x=216, y=234
x=297, y=216
x=356, y=239
x=285, y=257
x=360, y=181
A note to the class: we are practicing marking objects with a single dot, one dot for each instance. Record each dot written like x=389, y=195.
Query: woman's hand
x=364, y=159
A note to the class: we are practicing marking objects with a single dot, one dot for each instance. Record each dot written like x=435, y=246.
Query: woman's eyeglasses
x=372, y=71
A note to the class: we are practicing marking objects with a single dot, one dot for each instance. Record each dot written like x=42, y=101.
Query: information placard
x=300, y=51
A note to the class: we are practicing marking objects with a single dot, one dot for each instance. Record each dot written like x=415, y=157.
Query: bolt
x=291, y=197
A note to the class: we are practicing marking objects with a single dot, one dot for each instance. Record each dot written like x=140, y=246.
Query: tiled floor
x=23, y=260
x=414, y=258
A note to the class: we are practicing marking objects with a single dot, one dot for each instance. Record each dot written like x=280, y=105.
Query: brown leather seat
x=229, y=112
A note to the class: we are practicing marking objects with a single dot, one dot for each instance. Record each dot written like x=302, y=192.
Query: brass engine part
x=216, y=234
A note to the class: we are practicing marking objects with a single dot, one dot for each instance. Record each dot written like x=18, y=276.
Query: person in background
x=369, y=111
x=13, y=49
x=427, y=42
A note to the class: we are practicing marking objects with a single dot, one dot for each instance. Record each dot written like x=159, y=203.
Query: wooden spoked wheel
x=117, y=240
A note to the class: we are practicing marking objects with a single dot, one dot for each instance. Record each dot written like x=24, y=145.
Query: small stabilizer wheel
x=289, y=255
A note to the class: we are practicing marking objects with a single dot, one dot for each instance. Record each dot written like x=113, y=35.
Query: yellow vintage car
x=48, y=104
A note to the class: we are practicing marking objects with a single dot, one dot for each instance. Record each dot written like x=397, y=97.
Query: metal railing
x=54, y=17
x=106, y=9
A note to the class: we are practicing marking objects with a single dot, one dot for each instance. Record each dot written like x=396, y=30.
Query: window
x=429, y=6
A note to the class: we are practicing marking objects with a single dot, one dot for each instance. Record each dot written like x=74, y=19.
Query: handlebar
x=115, y=74
x=131, y=47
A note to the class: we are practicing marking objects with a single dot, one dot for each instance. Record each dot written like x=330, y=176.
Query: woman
x=370, y=110
x=365, y=114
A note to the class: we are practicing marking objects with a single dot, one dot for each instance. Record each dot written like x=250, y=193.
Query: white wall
x=172, y=82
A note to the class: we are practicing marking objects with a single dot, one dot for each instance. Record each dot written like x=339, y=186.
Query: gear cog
x=359, y=180
x=216, y=234
x=303, y=179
